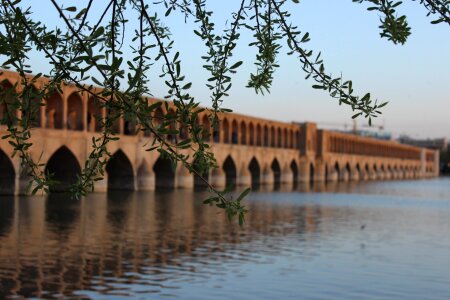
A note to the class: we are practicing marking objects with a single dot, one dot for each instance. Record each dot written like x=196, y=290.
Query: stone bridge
x=249, y=151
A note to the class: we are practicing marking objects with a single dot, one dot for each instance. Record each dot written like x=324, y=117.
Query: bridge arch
x=251, y=134
x=234, y=132
x=279, y=138
x=206, y=129
x=8, y=114
x=258, y=135
x=120, y=172
x=226, y=131
x=272, y=137
x=54, y=111
x=311, y=172
x=65, y=169
x=243, y=140
x=7, y=175
x=276, y=170
x=255, y=171
x=164, y=173
x=266, y=136
x=74, y=112
x=94, y=115
x=348, y=172
x=31, y=109
x=294, y=169
x=337, y=171
x=229, y=167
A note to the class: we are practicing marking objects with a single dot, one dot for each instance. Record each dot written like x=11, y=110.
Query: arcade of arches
x=249, y=151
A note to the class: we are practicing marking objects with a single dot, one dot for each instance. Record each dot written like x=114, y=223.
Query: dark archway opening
x=164, y=174
x=7, y=175
x=255, y=172
x=326, y=174
x=275, y=166
x=229, y=167
x=120, y=172
x=64, y=168
x=294, y=170
x=348, y=172
x=338, y=172
x=311, y=173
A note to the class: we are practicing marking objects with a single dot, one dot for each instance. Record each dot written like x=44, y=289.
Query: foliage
x=90, y=49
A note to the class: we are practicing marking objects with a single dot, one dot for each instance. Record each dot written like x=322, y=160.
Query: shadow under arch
x=311, y=173
x=64, y=168
x=120, y=172
x=294, y=169
x=229, y=167
x=7, y=175
x=276, y=169
x=255, y=172
x=164, y=174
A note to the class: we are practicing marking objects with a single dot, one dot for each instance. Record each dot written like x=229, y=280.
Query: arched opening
x=229, y=168
x=285, y=138
x=54, y=111
x=358, y=171
x=294, y=169
x=311, y=173
x=348, y=171
x=226, y=131
x=266, y=136
x=64, y=168
x=206, y=130
x=258, y=135
x=272, y=137
x=279, y=138
x=276, y=169
x=31, y=106
x=234, y=132
x=337, y=170
x=95, y=116
x=120, y=172
x=8, y=115
x=251, y=135
x=129, y=125
x=291, y=140
x=243, y=133
x=367, y=171
x=164, y=174
x=7, y=175
x=255, y=172
x=326, y=177
x=74, y=112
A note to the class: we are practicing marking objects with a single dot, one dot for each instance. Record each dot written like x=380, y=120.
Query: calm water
x=375, y=240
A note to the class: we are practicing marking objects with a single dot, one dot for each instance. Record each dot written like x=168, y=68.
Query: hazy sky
x=413, y=78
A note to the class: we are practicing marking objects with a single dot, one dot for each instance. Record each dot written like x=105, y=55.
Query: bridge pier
x=101, y=186
x=244, y=177
x=184, y=179
x=218, y=178
x=267, y=176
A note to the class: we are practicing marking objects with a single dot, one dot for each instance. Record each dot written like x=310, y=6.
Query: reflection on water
x=380, y=240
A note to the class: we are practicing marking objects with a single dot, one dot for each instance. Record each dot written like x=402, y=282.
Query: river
x=366, y=240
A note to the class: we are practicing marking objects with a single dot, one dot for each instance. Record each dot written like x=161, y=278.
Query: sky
x=414, y=77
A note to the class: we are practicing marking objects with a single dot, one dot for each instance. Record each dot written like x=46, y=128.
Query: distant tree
x=89, y=47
